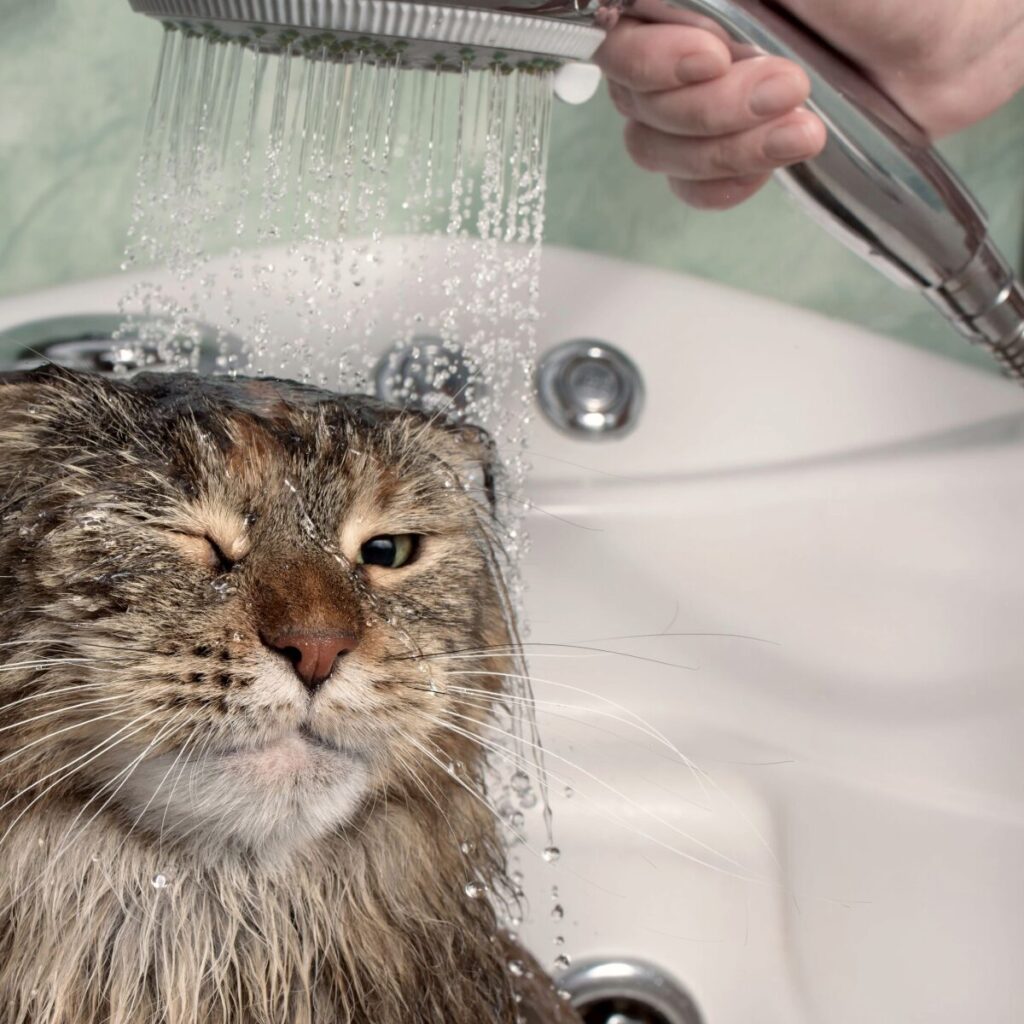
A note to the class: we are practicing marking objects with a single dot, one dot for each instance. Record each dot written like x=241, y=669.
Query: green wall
x=75, y=77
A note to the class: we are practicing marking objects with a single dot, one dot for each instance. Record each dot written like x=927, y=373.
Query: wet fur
x=310, y=846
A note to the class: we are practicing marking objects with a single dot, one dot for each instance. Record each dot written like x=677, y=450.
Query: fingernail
x=698, y=67
x=788, y=142
x=775, y=95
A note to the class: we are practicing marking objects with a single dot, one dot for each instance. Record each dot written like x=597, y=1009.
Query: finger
x=750, y=93
x=649, y=58
x=722, y=194
x=797, y=136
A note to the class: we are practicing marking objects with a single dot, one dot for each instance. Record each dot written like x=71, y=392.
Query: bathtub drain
x=627, y=991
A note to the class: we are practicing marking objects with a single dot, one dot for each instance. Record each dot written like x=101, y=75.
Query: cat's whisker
x=170, y=796
x=127, y=772
x=481, y=699
x=39, y=694
x=525, y=649
x=501, y=751
x=411, y=772
x=700, y=776
x=75, y=642
x=13, y=666
x=473, y=793
x=608, y=788
x=58, y=732
x=100, y=749
x=641, y=723
x=61, y=711
x=63, y=849
x=497, y=696
x=159, y=785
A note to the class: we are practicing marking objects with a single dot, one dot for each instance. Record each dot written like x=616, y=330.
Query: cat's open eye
x=390, y=550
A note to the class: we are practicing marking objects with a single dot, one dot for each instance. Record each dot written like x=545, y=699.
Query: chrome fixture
x=429, y=374
x=590, y=389
x=878, y=185
x=627, y=991
x=110, y=343
x=441, y=34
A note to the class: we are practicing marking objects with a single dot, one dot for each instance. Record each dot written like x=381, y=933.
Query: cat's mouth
x=305, y=732
x=302, y=739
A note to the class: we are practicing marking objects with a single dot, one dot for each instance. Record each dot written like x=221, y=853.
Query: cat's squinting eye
x=218, y=559
x=206, y=550
x=389, y=550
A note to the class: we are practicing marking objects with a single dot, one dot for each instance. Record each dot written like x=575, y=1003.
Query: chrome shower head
x=521, y=34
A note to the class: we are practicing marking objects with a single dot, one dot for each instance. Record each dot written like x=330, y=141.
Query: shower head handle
x=879, y=186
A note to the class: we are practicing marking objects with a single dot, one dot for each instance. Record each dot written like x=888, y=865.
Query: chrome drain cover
x=108, y=343
x=429, y=374
x=590, y=389
x=627, y=991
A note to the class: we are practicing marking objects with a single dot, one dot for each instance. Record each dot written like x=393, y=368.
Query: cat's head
x=216, y=595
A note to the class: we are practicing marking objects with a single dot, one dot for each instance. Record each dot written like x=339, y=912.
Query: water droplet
x=551, y=854
x=516, y=968
x=159, y=882
x=467, y=846
x=558, y=911
x=520, y=782
x=562, y=962
x=476, y=889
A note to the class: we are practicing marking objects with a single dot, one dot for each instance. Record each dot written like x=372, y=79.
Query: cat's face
x=215, y=595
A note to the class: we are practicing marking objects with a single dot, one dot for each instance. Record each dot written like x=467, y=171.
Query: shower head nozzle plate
x=441, y=35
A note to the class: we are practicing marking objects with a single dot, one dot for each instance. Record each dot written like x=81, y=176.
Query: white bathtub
x=853, y=506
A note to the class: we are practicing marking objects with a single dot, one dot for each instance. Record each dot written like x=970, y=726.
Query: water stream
x=353, y=186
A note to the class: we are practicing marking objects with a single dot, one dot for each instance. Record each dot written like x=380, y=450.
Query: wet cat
x=225, y=786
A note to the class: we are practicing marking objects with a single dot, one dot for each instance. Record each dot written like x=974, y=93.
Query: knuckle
x=639, y=146
x=639, y=68
x=725, y=158
x=621, y=98
x=706, y=119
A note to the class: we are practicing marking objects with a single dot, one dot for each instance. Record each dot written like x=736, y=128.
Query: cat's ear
x=18, y=398
x=478, y=463
x=18, y=393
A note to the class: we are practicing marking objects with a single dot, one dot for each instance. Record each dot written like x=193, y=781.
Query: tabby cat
x=227, y=790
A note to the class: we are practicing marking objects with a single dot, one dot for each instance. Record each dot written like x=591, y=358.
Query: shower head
x=523, y=34
x=878, y=185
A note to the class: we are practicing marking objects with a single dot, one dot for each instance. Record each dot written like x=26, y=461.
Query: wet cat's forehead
x=265, y=398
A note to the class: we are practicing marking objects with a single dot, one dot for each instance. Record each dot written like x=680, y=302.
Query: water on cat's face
x=224, y=597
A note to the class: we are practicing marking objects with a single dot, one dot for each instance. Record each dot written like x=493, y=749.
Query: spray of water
x=297, y=167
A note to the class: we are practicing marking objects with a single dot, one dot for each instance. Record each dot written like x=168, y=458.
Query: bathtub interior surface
x=844, y=514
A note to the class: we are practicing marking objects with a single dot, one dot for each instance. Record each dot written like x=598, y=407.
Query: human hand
x=717, y=126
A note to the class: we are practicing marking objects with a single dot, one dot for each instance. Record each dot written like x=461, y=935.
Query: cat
x=227, y=792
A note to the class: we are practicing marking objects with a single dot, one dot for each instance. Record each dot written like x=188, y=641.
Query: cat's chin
x=267, y=800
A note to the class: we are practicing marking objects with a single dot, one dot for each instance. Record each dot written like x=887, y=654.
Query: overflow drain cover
x=627, y=991
x=108, y=343
x=590, y=389
x=429, y=374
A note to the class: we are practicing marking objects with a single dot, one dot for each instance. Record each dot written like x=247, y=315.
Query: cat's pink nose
x=312, y=653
